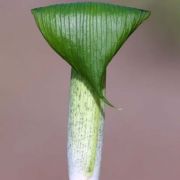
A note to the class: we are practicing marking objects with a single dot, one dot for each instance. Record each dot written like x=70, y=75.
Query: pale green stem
x=85, y=130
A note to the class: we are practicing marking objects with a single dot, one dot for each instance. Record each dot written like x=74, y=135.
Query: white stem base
x=78, y=176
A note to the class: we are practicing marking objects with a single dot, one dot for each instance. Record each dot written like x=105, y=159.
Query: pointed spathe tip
x=110, y=104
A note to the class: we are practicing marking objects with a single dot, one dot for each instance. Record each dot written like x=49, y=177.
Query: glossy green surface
x=88, y=35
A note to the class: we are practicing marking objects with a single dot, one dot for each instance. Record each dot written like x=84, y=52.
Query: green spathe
x=87, y=35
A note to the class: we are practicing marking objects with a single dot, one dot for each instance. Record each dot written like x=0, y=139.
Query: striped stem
x=85, y=130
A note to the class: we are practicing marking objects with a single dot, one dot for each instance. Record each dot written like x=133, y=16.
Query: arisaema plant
x=87, y=35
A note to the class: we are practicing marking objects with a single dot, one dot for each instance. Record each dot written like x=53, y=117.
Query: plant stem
x=85, y=130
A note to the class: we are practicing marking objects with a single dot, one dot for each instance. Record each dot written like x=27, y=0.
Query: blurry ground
x=142, y=142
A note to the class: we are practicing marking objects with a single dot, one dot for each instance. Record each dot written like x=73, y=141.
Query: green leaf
x=87, y=35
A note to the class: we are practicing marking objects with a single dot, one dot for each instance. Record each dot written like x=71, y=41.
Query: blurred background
x=142, y=142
